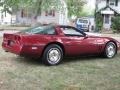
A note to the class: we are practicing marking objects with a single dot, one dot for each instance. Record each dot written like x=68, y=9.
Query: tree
x=35, y=6
x=99, y=21
x=75, y=7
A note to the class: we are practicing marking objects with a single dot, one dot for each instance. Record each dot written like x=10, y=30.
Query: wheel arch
x=57, y=43
x=112, y=42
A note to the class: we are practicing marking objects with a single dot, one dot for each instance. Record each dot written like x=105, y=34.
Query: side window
x=112, y=2
x=48, y=31
x=36, y=30
x=71, y=32
x=44, y=30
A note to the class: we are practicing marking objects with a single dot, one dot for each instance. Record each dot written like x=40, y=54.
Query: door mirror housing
x=86, y=36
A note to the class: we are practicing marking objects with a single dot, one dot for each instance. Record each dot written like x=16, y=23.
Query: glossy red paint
x=34, y=44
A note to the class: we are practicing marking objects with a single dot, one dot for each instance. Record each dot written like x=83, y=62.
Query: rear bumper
x=24, y=50
x=16, y=49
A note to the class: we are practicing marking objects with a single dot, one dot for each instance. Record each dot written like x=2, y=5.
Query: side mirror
x=86, y=36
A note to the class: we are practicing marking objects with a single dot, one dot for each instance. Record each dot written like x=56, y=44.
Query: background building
x=108, y=9
x=25, y=16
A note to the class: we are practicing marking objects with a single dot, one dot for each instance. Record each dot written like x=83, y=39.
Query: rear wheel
x=110, y=50
x=52, y=55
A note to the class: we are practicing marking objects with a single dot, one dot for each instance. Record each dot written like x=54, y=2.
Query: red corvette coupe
x=53, y=42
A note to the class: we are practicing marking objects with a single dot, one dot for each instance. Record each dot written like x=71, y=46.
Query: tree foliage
x=116, y=24
x=99, y=21
x=35, y=6
x=10, y=5
x=75, y=7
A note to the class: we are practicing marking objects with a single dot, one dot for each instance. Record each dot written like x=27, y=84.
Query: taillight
x=17, y=38
x=4, y=36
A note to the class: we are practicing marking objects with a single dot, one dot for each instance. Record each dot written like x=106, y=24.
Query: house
x=23, y=16
x=46, y=17
x=108, y=9
x=5, y=17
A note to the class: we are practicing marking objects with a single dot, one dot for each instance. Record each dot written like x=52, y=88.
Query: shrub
x=99, y=21
x=116, y=24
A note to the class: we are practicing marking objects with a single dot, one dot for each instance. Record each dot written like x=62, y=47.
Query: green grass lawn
x=84, y=73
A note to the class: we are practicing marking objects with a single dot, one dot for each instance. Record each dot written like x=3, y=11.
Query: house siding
x=5, y=18
x=61, y=17
x=117, y=8
x=101, y=4
x=108, y=11
x=48, y=19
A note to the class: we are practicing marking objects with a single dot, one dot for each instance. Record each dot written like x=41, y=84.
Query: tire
x=110, y=50
x=52, y=55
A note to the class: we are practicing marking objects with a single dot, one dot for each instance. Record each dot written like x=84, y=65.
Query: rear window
x=40, y=30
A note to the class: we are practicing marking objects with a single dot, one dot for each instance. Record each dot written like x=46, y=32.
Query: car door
x=76, y=43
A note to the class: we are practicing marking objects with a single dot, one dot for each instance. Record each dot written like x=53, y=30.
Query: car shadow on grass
x=30, y=61
x=34, y=61
x=88, y=58
x=82, y=58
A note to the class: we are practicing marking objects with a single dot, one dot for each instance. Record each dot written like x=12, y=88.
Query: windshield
x=40, y=30
x=82, y=21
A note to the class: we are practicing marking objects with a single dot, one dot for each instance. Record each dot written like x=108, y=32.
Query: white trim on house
x=107, y=12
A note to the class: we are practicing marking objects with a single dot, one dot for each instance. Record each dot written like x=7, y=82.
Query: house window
x=112, y=3
x=23, y=13
x=50, y=13
x=5, y=13
x=116, y=3
x=2, y=17
x=107, y=1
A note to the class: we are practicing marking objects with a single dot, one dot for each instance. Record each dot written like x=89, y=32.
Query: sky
x=90, y=6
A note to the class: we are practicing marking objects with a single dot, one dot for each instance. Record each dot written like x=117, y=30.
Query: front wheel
x=110, y=50
x=52, y=55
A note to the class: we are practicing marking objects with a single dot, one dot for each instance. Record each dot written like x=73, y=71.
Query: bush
x=116, y=24
x=99, y=21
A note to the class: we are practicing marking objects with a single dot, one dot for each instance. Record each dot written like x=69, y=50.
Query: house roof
x=115, y=9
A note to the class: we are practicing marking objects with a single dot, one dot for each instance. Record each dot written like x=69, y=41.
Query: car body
x=56, y=40
x=83, y=24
